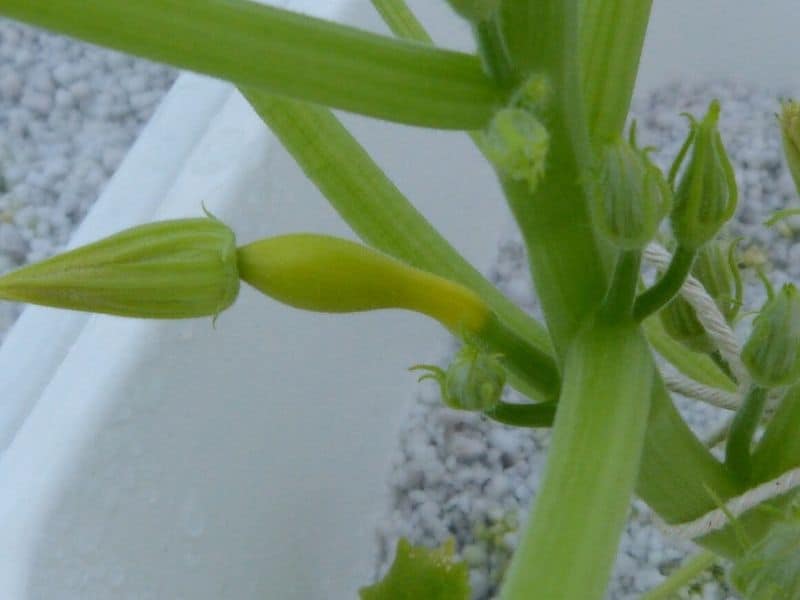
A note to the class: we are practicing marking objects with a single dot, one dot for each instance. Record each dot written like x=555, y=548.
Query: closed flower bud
x=681, y=323
x=474, y=11
x=770, y=570
x=706, y=195
x=716, y=269
x=517, y=144
x=473, y=381
x=772, y=352
x=328, y=274
x=166, y=270
x=790, y=132
x=629, y=196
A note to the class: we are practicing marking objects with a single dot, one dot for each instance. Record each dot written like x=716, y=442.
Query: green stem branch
x=690, y=570
x=667, y=286
x=737, y=451
x=524, y=415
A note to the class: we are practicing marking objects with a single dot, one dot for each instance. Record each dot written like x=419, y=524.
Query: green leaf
x=419, y=573
x=283, y=52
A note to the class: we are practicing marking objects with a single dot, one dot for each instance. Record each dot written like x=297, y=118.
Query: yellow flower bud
x=166, y=270
x=328, y=274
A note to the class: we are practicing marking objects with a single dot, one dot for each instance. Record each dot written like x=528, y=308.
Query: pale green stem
x=690, y=570
x=668, y=285
x=283, y=52
x=569, y=545
x=612, y=35
x=401, y=20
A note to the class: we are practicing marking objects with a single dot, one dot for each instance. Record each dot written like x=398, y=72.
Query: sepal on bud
x=517, y=144
x=772, y=352
x=630, y=196
x=167, y=270
x=473, y=381
x=790, y=133
x=706, y=195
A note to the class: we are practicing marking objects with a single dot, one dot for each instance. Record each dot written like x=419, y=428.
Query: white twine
x=718, y=519
x=707, y=313
x=680, y=383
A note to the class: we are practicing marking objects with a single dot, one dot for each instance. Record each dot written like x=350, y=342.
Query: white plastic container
x=177, y=460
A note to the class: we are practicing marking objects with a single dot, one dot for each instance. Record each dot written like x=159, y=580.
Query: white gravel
x=68, y=114
x=459, y=475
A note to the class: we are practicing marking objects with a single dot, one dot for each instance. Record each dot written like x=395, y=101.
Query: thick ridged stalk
x=570, y=542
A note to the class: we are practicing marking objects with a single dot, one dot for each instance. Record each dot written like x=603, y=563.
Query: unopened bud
x=328, y=274
x=517, y=144
x=166, y=270
x=772, y=352
x=681, y=323
x=790, y=132
x=706, y=195
x=474, y=11
x=717, y=270
x=473, y=381
x=630, y=196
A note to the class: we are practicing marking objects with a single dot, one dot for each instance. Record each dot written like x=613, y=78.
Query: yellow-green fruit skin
x=174, y=269
x=328, y=274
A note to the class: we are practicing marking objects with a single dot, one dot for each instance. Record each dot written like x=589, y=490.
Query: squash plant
x=546, y=99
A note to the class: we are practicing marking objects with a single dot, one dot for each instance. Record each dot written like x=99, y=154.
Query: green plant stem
x=664, y=290
x=524, y=415
x=492, y=50
x=566, y=551
x=401, y=20
x=283, y=52
x=740, y=438
x=618, y=303
x=690, y=570
x=779, y=448
x=612, y=35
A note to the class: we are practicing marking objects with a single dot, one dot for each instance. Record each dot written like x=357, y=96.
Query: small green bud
x=715, y=267
x=772, y=352
x=790, y=132
x=328, y=274
x=167, y=270
x=473, y=381
x=706, y=195
x=474, y=11
x=681, y=323
x=630, y=196
x=770, y=569
x=517, y=143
